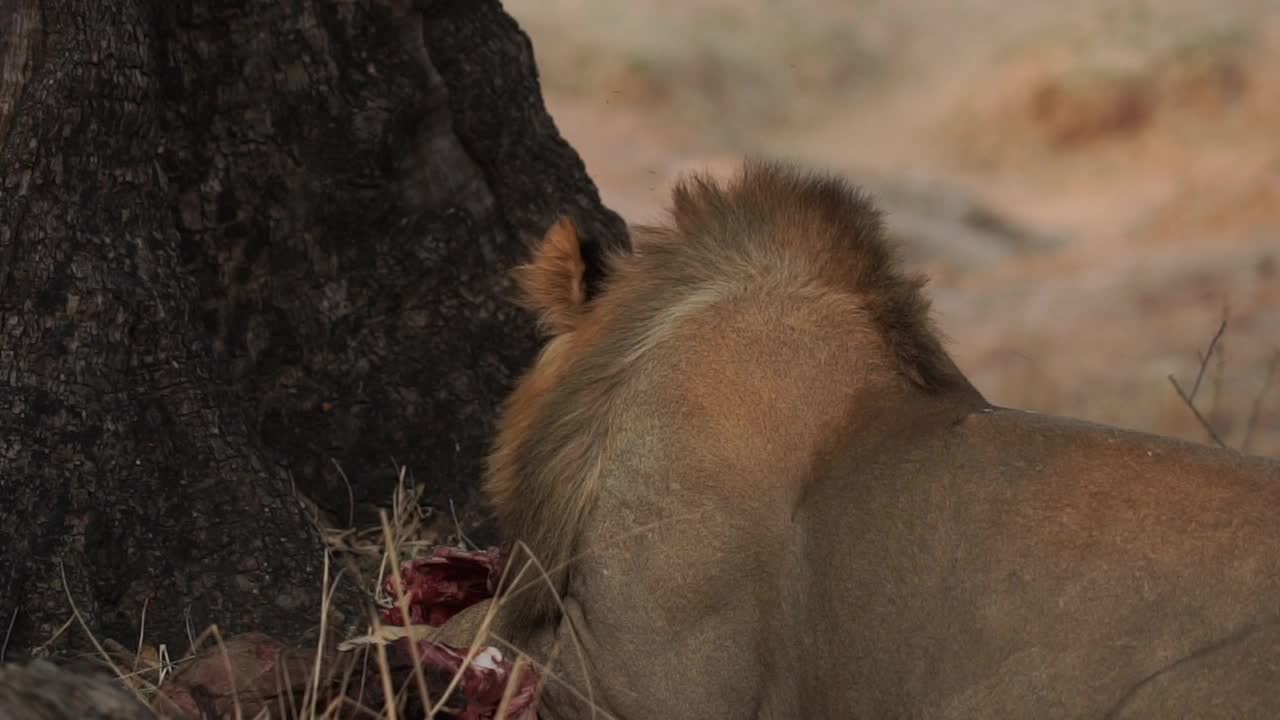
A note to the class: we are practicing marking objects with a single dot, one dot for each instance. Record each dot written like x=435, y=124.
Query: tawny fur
x=553, y=284
x=807, y=232
x=765, y=491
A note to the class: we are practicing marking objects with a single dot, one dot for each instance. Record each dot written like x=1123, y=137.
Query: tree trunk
x=243, y=242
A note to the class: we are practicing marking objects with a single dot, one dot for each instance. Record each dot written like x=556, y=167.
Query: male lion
x=760, y=488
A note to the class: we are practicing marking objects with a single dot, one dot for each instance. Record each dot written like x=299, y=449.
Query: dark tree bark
x=20, y=49
x=241, y=240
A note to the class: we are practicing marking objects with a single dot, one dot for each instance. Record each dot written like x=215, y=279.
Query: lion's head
x=757, y=486
x=810, y=242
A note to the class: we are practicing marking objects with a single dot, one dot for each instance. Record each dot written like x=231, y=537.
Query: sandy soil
x=1090, y=185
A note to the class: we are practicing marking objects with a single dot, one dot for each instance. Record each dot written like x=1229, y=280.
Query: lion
x=756, y=485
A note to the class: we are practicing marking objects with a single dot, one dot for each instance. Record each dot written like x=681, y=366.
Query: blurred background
x=1091, y=186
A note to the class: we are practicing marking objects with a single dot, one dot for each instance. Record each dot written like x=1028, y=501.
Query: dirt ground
x=1090, y=185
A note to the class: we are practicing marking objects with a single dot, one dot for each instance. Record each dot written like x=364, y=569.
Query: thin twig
x=1255, y=412
x=142, y=633
x=402, y=604
x=1204, y=422
x=190, y=630
x=1208, y=354
x=384, y=673
x=13, y=620
x=43, y=649
x=351, y=494
x=237, y=710
x=1219, y=372
x=311, y=697
x=1189, y=398
x=106, y=657
x=513, y=686
x=466, y=541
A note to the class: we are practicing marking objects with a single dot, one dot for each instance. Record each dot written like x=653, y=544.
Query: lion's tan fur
x=772, y=225
x=553, y=285
x=765, y=491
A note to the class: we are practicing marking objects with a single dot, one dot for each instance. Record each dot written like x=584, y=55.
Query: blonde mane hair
x=772, y=225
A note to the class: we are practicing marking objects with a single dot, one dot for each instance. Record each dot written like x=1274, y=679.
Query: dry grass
x=367, y=556
x=320, y=692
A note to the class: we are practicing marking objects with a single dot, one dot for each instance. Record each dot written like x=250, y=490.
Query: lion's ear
x=554, y=283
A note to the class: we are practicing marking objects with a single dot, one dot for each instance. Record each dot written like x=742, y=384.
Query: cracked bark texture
x=243, y=244
x=20, y=48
